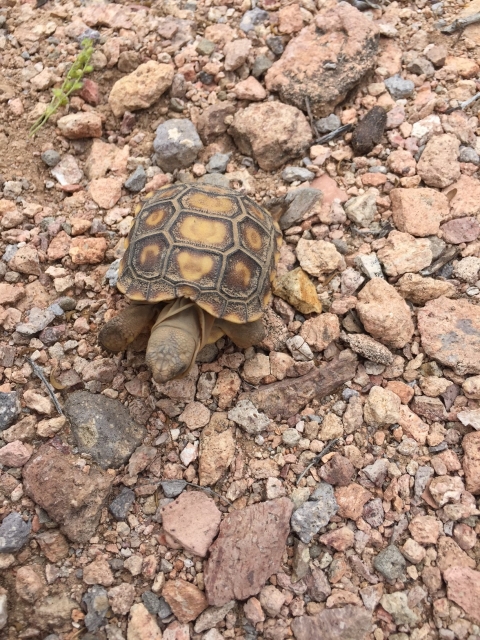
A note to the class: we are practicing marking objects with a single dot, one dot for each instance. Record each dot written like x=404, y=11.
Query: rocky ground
x=132, y=510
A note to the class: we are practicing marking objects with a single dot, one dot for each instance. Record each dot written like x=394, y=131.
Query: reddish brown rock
x=425, y=529
x=466, y=197
x=90, y=92
x=344, y=623
x=351, y=500
x=217, y=450
x=418, y=211
x=106, y=192
x=340, y=539
x=15, y=454
x=463, y=587
x=211, y=123
x=271, y=132
x=450, y=555
x=461, y=230
x=59, y=246
x=10, y=294
x=53, y=545
x=337, y=471
x=342, y=35
x=71, y=498
x=450, y=332
x=29, y=584
x=247, y=551
x=250, y=89
x=320, y=331
x=288, y=397
x=185, y=599
x=98, y=572
x=193, y=521
x=385, y=315
x=471, y=461
x=84, y=124
x=142, y=624
x=85, y=250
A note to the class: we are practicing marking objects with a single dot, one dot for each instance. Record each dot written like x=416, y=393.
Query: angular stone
x=382, y=407
x=84, y=124
x=298, y=290
x=185, y=599
x=192, y=520
x=9, y=409
x=351, y=499
x=450, y=555
x=142, y=625
x=461, y=230
x=140, y=89
x=257, y=534
x=102, y=427
x=438, y=166
x=320, y=331
x=288, y=397
x=384, y=314
x=338, y=471
x=412, y=286
x=450, y=333
x=425, y=529
x=271, y=132
x=471, y=462
x=14, y=533
x=344, y=623
x=390, y=563
x=71, y=498
x=217, y=450
x=403, y=253
x=308, y=519
x=341, y=34
x=463, y=587
x=368, y=348
x=318, y=257
x=176, y=144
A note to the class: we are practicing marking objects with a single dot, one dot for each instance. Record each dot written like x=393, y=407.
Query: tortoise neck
x=185, y=306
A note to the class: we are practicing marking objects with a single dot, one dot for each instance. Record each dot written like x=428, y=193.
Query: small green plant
x=73, y=82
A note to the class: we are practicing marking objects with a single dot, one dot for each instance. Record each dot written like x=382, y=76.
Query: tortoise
x=199, y=264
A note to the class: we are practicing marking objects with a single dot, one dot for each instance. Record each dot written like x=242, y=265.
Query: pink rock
x=272, y=600
x=465, y=67
x=90, y=92
x=403, y=253
x=236, y=53
x=85, y=250
x=402, y=162
x=463, y=587
x=450, y=555
x=425, y=529
x=106, y=192
x=351, y=500
x=185, y=599
x=142, y=625
x=121, y=598
x=290, y=19
x=340, y=539
x=341, y=33
x=28, y=584
x=272, y=132
x=439, y=166
x=320, y=331
x=15, y=454
x=385, y=315
x=250, y=89
x=193, y=521
x=449, y=330
x=464, y=536
x=247, y=551
x=471, y=461
x=390, y=56
x=466, y=197
x=98, y=572
x=412, y=425
x=176, y=631
x=59, y=246
x=418, y=211
x=84, y=124
x=253, y=610
x=461, y=230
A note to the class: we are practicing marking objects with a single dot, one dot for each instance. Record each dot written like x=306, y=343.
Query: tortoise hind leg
x=243, y=335
x=121, y=330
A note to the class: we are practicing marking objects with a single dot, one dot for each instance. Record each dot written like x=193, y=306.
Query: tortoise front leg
x=120, y=331
x=243, y=335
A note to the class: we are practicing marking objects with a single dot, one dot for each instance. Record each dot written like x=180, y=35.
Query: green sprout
x=72, y=82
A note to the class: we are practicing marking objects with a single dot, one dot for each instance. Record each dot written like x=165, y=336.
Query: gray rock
x=136, y=181
x=212, y=616
x=216, y=180
x=275, y=44
x=51, y=157
x=467, y=154
x=164, y=610
x=205, y=48
x=37, y=320
x=362, y=209
x=14, y=532
x=397, y=605
x=176, y=144
x=370, y=265
x=66, y=303
x=290, y=437
x=399, y=88
x=290, y=174
x=368, y=348
x=151, y=602
x=377, y=472
x=253, y=17
x=260, y=66
x=111, y=275
x=122, y=504
x=422, y=477
x=173, y=488
x=299, y=202
x=390, y=563
x=103, y=428
x=96, y=602
x=408, y=447
x=218, y=163
x=9, y=409
x=328, y=124
x=308, y=519
x=421, y=66
x=248, y=417
x=373, y=513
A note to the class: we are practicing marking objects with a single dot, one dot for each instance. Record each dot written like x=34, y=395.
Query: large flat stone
x=248, y=551
x=103, y=428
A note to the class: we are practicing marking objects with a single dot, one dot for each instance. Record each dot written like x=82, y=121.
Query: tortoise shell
x=212, y=245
